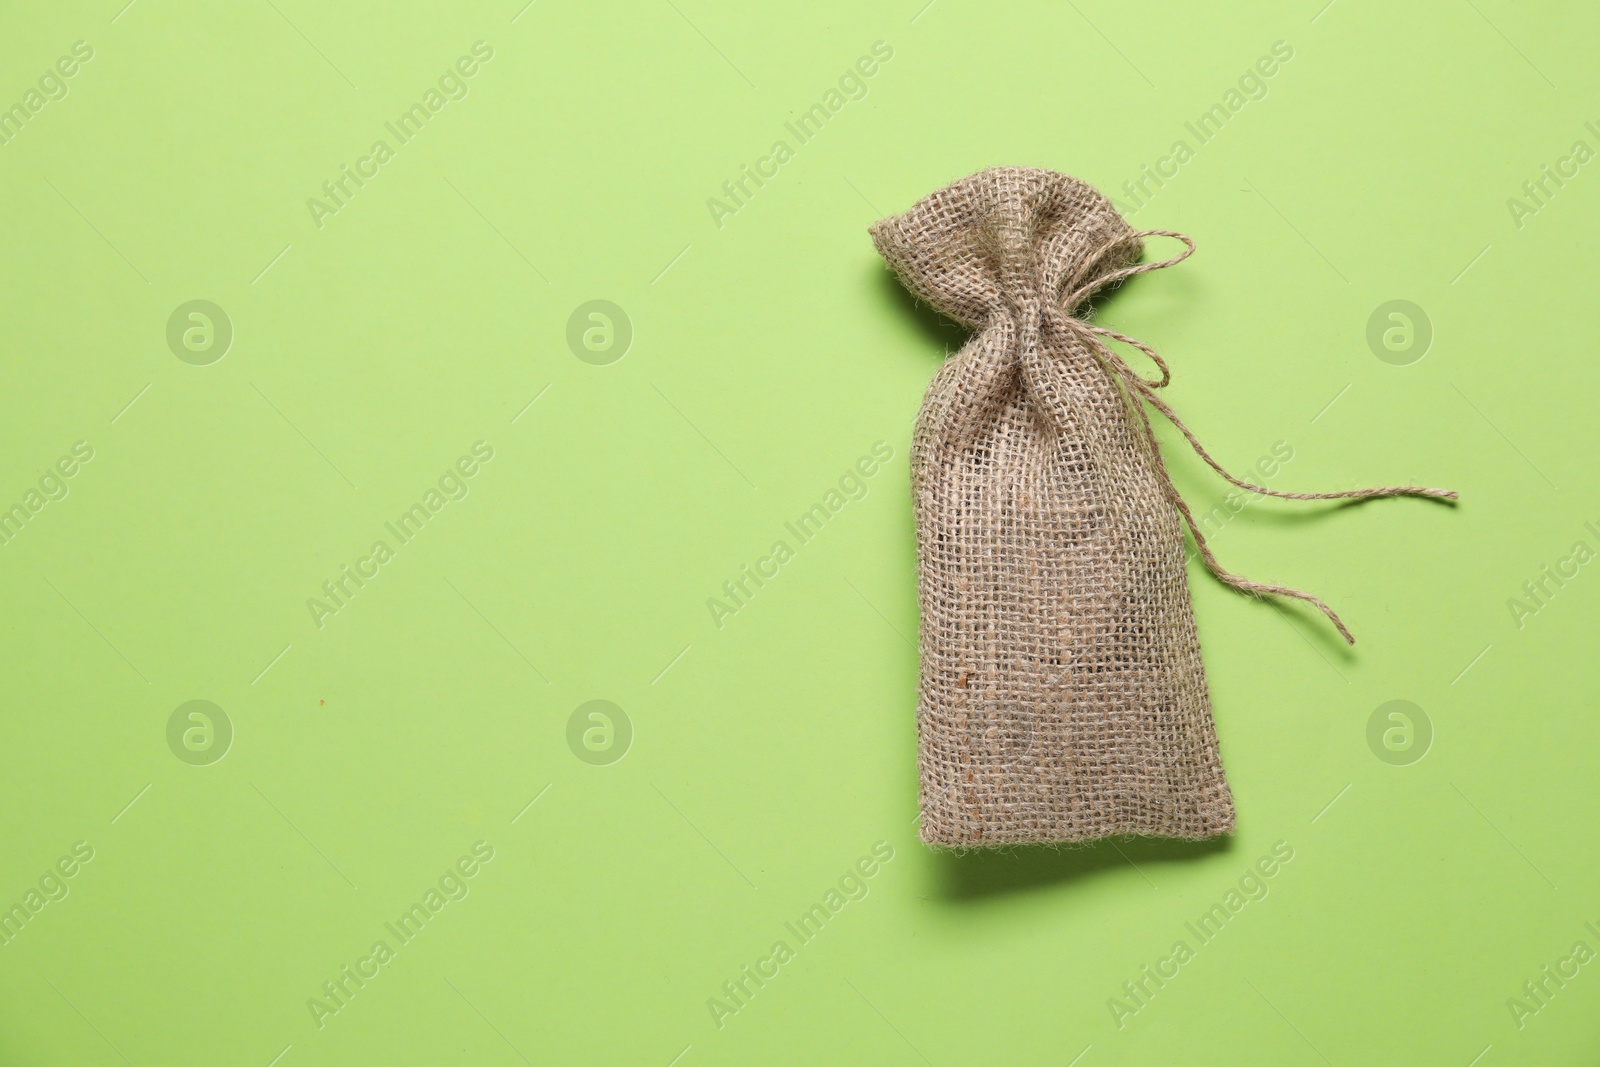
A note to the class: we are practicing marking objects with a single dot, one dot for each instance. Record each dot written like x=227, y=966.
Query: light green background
x=772, y=753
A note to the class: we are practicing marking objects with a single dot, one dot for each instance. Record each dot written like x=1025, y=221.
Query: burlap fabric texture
x=1062, y=694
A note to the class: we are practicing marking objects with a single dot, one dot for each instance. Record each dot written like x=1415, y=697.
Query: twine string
x=1144, y=389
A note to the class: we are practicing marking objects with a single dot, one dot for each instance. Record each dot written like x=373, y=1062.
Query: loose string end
x=1257, y=590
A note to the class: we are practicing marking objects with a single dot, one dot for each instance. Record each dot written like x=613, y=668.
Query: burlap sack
x=1062, y=693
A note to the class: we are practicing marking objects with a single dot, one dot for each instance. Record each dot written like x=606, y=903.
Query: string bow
x=1141, y=388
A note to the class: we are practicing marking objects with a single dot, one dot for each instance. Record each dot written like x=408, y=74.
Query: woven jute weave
x=1062, y=695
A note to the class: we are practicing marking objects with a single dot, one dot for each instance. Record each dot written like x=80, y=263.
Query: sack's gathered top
x=1062, y=695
